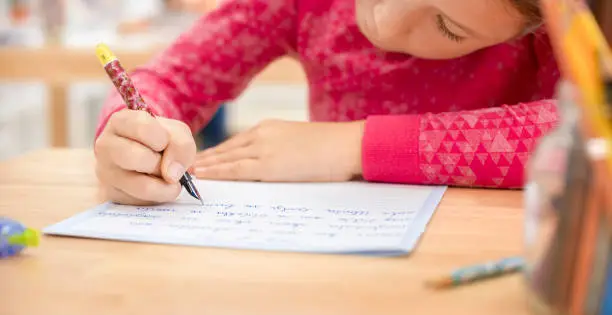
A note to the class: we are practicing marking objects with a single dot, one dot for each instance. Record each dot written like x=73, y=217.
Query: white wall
x=23, y=119
x=24, y=122
x=260, y=101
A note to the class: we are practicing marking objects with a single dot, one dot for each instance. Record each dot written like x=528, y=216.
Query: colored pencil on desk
x=479, y=272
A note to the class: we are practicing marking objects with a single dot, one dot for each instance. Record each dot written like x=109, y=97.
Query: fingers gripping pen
x=134, y=100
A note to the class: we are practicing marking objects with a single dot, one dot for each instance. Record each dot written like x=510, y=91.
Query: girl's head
x=442, y=29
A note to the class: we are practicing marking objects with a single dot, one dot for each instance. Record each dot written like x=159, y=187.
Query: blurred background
x=52, y=86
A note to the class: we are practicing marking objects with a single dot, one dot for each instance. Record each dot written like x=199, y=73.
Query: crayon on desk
x=475, y=273
x=134, y=100
x=14, y=237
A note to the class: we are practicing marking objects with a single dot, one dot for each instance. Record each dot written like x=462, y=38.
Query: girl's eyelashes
x=441, y=24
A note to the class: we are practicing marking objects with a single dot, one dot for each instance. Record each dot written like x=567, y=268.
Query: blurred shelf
x=64, y=65
x=57, y=67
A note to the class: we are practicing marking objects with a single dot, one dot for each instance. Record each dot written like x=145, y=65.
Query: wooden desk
x=67, y=276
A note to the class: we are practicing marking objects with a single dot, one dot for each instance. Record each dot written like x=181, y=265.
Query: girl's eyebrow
x=463, y=27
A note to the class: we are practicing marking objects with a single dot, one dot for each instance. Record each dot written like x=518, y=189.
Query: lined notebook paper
x=343, y=218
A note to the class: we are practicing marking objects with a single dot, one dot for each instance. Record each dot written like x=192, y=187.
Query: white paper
x=348, y=218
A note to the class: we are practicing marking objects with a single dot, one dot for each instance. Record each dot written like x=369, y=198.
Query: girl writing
x=405, y=91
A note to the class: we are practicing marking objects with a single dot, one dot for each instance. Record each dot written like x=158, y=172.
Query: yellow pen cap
x=28, y=238
x=105, y=55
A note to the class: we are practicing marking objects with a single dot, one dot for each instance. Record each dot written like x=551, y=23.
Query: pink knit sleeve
x=480, y=148
x=213, y=61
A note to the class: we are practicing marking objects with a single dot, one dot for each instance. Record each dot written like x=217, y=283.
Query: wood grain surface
x=66, y=276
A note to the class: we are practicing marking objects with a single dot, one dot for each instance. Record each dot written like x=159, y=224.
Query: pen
x=14, y=237
x=475, y=273
x=134, y=100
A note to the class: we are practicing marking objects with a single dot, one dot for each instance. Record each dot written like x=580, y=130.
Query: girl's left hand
x=285, y=151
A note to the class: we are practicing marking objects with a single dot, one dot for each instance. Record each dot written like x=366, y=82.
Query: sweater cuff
x=390, y=149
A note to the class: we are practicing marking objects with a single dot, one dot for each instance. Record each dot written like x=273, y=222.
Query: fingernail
x=175, y=171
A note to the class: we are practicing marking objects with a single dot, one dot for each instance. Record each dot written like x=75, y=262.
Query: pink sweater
x=471, y=121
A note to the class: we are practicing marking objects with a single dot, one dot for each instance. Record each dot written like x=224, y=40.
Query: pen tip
x=195, y=190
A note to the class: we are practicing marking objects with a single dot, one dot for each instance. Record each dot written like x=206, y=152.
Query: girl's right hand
x=140, y=158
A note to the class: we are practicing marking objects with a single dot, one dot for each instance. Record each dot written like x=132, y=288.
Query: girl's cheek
x=388, y=19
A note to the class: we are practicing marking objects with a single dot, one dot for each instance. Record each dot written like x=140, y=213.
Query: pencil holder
x=548, y=175
x=567, y=230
